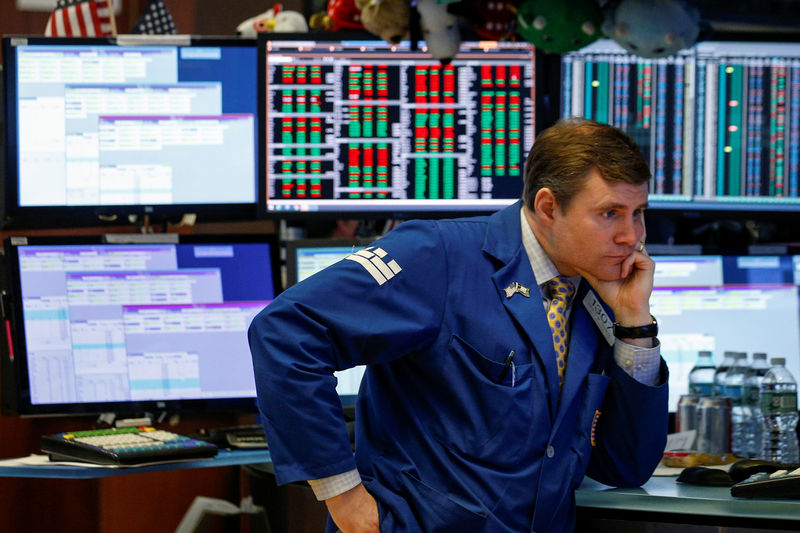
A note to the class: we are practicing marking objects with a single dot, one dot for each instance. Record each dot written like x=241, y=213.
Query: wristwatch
x=636, y=332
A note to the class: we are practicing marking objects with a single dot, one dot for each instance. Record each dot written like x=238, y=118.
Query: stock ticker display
x=718, y=123
x=361, y=126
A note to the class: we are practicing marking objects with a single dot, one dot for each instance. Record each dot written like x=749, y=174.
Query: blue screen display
x=109, y=125
x=108, y=323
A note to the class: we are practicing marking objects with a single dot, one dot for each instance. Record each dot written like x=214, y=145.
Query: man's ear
x=545, y=204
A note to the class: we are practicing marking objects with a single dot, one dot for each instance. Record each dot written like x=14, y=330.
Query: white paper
x=681, y=441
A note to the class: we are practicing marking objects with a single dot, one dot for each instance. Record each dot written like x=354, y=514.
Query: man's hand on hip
x=354, y=511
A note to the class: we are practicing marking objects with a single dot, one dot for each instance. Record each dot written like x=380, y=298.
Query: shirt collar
x=543, y=268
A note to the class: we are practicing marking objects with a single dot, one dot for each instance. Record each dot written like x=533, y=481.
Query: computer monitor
x=735, y=301
x=356, y=125
x=306, y=257
x=718, y=123
x=133, y=325
x=129, y=125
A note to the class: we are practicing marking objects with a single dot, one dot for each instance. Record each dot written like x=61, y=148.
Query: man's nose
x=629, y=233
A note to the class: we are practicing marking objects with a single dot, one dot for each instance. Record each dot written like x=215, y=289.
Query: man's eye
x=609, y=214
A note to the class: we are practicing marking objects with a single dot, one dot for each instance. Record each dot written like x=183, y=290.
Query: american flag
x=80, y=18
x=155, y=20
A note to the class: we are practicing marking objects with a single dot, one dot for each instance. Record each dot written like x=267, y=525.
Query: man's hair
x=563, y=154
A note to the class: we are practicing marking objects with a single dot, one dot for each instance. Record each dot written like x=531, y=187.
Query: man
x=488, y=396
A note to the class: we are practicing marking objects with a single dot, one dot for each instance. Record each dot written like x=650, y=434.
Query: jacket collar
x=503, y=241
x=504, y=234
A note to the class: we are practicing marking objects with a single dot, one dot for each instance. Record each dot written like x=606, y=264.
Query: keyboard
x=778, y=484
x=125, y=446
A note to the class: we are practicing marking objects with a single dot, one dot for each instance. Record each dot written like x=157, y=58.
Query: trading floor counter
x=36, y=466
x=661, y=504
x=664, y=500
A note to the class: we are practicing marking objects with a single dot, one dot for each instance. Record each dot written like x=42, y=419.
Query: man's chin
x=610, y=273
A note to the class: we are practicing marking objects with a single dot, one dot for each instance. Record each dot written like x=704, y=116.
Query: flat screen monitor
x=131, y=327
x=736, y=301
x=719, y=123
x=362, y=126
x=718, y=302
x=306, y=257
x=126, y=125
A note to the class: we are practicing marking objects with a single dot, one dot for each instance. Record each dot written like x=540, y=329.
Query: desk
x=659, y=502
x=663, y=500
x=223, y=458
x=112, y=500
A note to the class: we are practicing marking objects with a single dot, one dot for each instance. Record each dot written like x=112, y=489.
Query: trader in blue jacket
x=507, y=356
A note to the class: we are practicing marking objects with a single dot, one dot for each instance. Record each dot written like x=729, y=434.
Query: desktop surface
x=666, y=495
x=16, y=468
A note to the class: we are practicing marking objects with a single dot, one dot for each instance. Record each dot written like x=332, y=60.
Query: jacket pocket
x=482, y=408
x=437, y=511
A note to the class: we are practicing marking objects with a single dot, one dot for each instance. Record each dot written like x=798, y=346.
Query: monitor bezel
x=372, y=212
x=19, y=216
x=15, y=392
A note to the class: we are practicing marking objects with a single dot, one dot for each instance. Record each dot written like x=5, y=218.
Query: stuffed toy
x=653, y=28
x=388, y=19
x=490, y=20
x=439, y=30
x=276, y=19
x=558, y=26
x=340, y=15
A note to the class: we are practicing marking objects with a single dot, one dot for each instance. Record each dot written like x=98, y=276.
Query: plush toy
x=439, y=30
x=491, y=20
x=276, y=19
x=388, y=19
x=558, y=26
x=340, y=15
x=653, y=28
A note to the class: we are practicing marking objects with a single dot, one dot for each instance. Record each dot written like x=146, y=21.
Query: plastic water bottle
x=701, y=377
x=718, y=388
x=752, y=384
x=733, y=389
x=778, y=398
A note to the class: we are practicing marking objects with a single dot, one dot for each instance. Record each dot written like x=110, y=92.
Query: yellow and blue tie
x=561, y=290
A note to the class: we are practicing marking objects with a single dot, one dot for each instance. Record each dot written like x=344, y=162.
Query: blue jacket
x=445, y=440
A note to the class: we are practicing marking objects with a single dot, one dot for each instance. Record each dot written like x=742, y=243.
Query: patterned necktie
x=561, y=290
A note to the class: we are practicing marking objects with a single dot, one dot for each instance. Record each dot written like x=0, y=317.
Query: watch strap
x=636, y=332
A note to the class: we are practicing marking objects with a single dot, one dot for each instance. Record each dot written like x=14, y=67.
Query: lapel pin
x=514, y=288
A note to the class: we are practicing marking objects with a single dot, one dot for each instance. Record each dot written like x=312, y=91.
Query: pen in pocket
x=508, y=364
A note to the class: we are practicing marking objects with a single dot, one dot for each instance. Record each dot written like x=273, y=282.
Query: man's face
x=601, y=226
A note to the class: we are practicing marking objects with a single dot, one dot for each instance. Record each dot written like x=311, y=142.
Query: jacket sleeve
x=632, y=430
x=371, y=308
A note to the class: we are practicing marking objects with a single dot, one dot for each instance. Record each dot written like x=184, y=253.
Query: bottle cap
x=759, y=355
x=704, y=353
x=777, y=361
